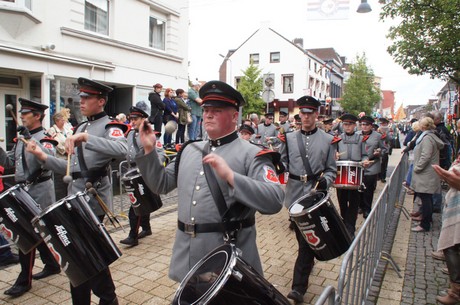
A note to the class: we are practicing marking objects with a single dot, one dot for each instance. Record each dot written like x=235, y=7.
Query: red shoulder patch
x=282, y=137
x=365, y=138
x=384, y=136
x=265, y=151
x=159, y=145
x=15, y=140
x=336, y=139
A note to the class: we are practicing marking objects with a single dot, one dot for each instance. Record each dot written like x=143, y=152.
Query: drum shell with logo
x=349, y=175
x=142, y=199
x=76, y=238
x=17, y=209
x=321, y=225
x=223, y=277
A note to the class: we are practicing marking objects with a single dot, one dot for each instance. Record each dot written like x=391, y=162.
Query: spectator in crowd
x=195, y=104
x=449, y=238
x=184, y=114
x=156, y=107
x=425, y=181
x=170, y=113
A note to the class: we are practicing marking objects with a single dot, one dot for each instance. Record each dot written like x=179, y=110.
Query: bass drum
x=321, y=225
x=221, y=278
x=17, y=209
x=142, y=199
x=77, y=239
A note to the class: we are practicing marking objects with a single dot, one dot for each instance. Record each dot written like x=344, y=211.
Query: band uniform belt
x=304, y=178
x=91, y=174
x=194, y=228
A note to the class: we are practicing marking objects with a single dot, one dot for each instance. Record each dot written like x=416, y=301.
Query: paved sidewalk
x=141, y=273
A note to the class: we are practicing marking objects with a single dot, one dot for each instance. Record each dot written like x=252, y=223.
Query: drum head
x=206, y=278
x=305, y=202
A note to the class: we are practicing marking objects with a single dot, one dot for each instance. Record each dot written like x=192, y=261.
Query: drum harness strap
x=303, y=154
x=93, y=175
x=35, y=177
x=228, y=227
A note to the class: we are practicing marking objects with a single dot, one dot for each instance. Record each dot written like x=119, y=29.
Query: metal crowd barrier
x=371, y=245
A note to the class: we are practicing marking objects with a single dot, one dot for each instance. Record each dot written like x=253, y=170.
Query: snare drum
x=221, y=278
x=17, y=209
x=143, y=200
x=349, y=175
x=321, y=225
x=77, y=239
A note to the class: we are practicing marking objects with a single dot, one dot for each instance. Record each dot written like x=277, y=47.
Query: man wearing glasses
x=373, y=147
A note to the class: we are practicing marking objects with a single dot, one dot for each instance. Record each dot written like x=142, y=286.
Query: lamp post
x=364, y=7
x=226, y=59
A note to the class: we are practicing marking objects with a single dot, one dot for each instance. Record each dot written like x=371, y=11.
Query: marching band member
x=350, y=149
x=243, y=173
x=93, y=145
x=373, y=147
x=387, y=138
x=319, y=165
x=285, y=125
x=41, y=188
x=137, y=115
x=267, y=129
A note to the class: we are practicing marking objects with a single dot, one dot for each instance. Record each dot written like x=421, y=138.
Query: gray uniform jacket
x=266, y=131
x=135, y=145
x=42, y=192
x=256, y=187
x=370, y=143
x=103, y=145
x=351, y=148
x=321, y=155
x=286, y=126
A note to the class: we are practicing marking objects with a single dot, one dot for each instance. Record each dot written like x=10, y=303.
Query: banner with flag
x=327, y=9
x=400, y=114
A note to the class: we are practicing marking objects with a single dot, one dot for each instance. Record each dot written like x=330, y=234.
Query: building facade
x=289, y=71
x=127, y=44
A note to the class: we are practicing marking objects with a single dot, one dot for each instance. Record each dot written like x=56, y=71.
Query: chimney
x=298, y=42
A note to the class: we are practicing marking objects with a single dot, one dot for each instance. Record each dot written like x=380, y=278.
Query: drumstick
x=343, y=152
x=67, y=178
x=313, y=191
x=10, y=108
x=2, y=139
x=110, y=215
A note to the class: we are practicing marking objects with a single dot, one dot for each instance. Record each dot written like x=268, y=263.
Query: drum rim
x=305, y=210
x=125, y=176
x=14, y=187
x=58, y=203
x=231, y=256
x=349, y=162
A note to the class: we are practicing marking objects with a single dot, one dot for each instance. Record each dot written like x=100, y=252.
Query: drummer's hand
x=220, y=167
x=74, y=141
x=147, y=136
x=36, y=150
x=366, y=163
x=337, y=155
x=452, y=176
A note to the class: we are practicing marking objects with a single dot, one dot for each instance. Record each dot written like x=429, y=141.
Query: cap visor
x=306, y=110
x=217, y=104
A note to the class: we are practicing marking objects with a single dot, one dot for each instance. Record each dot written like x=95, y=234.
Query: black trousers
x=137, y=221
x=27, y=262
x=102, y=285
x=367, y=196
x=426, y=209
x=303, y=264
x=157, y=121
x=452, y=255
x=349, y=203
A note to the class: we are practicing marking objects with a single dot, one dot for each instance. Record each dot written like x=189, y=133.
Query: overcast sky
x=219, y=25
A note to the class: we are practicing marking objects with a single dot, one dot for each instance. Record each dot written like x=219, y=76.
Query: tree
x=250, y=87
x=427, y=37
x=360, y=94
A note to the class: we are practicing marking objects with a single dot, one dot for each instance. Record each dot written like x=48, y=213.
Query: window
x=157, y=33
x=254, y=58
x=275, y=57
x=288, y=83
x=97, y=16
x=19, y=3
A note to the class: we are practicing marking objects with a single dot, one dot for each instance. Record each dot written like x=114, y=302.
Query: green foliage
x=250, y=87
x=360, y=94
x=427, y=37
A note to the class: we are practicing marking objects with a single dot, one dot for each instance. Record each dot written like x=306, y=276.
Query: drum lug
x=237, y=275
x=68, y=206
